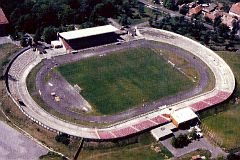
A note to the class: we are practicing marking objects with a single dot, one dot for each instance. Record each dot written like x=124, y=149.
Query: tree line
x=221, y=36
x=40, y=17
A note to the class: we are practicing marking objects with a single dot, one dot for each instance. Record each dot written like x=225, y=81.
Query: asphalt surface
x=14, y=145
x=202, y=143
x=63, y=108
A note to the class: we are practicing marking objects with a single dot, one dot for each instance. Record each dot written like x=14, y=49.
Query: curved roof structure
x=224, y=86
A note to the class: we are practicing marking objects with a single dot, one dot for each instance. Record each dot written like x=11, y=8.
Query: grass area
x=224, y=123
x=52, y=156
x=123, y=80
x=31, y=85
x=188, y=156
x=145, y=149
x=31, y=79
x=6, y=51
x=192, y=73
x=224, y=126
x=41, y=103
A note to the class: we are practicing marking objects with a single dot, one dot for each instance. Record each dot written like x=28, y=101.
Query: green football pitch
x=125, y=79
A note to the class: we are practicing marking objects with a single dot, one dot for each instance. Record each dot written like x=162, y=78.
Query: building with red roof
x=195, y=10
x=235, y=10
x=3, y=23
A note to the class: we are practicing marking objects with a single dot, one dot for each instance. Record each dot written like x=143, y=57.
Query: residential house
x=235, y=10
x=210, y=8
x=228, y=19
x=212, y=15
x=195, y=10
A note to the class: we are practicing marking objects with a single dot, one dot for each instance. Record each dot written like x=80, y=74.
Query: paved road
x=14, y=145
x=63, y=107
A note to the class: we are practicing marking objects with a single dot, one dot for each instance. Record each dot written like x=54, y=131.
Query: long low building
x=85, y=38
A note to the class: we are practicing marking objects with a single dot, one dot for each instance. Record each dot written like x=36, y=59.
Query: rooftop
x=183, y=115
x=235, y=9
x=227, y=19
x=88, y=32
x=195, y=10
x=210, y=8
x=3, y=18
x=163, y=131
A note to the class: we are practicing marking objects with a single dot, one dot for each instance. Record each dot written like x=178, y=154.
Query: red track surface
x=105, y=135
x=213, y=100
x=199, y=106
x=124, y=132
x=223, y=95
x=159, y=120
x=144, y=125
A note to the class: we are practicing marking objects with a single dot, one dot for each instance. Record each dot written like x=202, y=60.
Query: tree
x=49, y=34
x=63, y=138
x=217, y=22
x=184, y=10
x=156, y=1
x=124, y=20
x=223, y=30
x=180, y=141
x=193, y=135
x=169, y=4
x=24, y=42
x=141, y=9
x=150, y=20
x=180, y=2
x=37, y=36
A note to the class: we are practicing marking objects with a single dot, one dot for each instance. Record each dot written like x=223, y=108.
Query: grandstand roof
x=88, y=32
x=163, y=131
x=183, y=115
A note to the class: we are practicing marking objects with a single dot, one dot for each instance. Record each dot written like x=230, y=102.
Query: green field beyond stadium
x=124, y=80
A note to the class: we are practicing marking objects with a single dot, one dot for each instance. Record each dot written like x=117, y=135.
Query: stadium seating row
x=15, y=71
x=219, y=97
x=132, y=129
x=144, y=125
x=159, y=120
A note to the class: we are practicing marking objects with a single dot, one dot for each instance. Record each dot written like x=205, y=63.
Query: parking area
x=201, y=143
x=14, y=145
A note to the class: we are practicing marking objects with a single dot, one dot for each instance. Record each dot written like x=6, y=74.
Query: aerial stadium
x=115, y=88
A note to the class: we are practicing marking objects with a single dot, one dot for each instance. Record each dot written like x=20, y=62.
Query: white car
x=191, y=129
x=197, y=129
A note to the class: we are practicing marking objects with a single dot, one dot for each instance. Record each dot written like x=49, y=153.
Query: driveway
x=203, y=143
x=14, y=145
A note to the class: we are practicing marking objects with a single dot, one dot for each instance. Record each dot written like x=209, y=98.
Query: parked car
x=197, y=129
